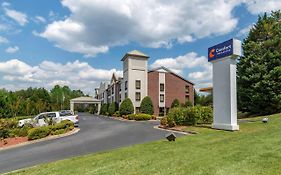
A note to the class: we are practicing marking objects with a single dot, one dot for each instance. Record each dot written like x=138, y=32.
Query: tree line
x=35, y=100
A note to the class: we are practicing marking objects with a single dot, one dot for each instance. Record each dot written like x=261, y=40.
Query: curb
x=74, y=131
x=175, y=131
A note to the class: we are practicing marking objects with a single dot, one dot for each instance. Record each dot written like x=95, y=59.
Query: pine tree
x=259, y=70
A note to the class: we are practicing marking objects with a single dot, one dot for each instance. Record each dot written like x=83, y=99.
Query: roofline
x=168, y=70
x=128, y=54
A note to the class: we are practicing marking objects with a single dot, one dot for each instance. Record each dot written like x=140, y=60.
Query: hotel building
x=161, y=85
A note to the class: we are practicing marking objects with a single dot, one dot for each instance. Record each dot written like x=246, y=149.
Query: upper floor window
x=138, y=96
x=138, y=84
x=186, y=88
x=126, y=85
x=112, y=90
x=162, y=87
x=126, y=95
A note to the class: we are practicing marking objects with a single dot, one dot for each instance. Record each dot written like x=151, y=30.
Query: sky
x=80, y=43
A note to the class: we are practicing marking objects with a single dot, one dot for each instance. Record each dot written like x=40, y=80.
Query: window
x=162, y=87
x=161, y=97
x=137, y=110
x=112, y=89
x=126, y=95
x=138, y=96
x=119, y=97
x=126, y=85
x=187, y=98
x=138, y=84
x=112, y=99
x=187, y=89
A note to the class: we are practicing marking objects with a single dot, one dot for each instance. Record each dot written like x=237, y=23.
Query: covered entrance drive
x=85, y=100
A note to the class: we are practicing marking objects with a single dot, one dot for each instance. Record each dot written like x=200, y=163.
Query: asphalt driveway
x=96, y=133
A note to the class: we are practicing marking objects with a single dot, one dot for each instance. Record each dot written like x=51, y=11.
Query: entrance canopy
x=85, y=100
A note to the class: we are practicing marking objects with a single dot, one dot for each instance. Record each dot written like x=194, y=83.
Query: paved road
x=96, y=134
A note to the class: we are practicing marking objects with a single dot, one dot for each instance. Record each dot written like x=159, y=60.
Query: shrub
x=64, y=125
x=9, y=123
x=38, y=133
x=4, y=133
x=189, y=116
x=126, y=107
x=116, y=114
x=20, y=132
x=139, y=117
x=112, y=108
x=175, y=103
x=187, y=104
x=164, y=121
x=104, y=109
x=146, y=106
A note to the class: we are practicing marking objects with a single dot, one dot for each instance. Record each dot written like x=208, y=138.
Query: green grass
x=255, y=149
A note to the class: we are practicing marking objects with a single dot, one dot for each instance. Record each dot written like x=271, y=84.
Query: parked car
x=46, y=118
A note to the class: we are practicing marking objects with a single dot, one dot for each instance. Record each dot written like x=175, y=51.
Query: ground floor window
x=161, y=111
x=137, y=110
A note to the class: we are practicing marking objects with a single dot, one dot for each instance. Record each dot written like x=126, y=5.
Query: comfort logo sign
x=220, y=50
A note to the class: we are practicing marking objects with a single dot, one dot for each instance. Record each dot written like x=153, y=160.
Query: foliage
x=112, y=108
x=139, y=117
x=164, y=121
x=104, y=109
x=186, y=104
x=61, y=127
x=175, y=103
x=126, y=107
x=203, y=100
x=116, y=114
x=38, y=133
x=146, y=106
x=35, y=100
x=259, y=69
x=190, y=116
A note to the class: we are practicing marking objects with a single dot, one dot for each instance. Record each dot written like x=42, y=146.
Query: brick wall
x=153, y=90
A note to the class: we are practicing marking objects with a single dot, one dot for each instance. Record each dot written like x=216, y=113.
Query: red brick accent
x=175, y=88
x=153, y=90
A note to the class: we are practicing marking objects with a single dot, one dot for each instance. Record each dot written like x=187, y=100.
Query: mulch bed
x=12, y=141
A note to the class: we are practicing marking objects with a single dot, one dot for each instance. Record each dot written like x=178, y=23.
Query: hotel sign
x=222, y=50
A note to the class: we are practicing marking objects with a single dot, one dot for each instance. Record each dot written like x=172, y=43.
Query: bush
x=104, y=109
x=190, y=116
x=116, y=114
x=187, y=104
x=139, y=117
x=112, y=108
x=64, y=125
x=20, y=132
x=38, y=133
x=9, y=123
x=126, y=107
x=164, y=121
x=146, y=106
x=175, y=103
x=4, y=133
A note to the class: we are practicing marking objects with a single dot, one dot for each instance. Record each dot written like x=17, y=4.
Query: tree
x=175, y=103
x=259, y=69
x=146, y=106
x=112, y=108
x=126, y=107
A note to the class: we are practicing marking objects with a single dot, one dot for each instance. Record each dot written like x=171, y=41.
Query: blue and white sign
x=225, y=49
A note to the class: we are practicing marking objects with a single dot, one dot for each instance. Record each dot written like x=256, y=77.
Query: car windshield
x=66, y=113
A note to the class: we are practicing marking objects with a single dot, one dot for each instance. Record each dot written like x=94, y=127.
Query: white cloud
x=5, y=4
x=12, y=49
x=78, y=75
x=40, y=19
x=3, y=40
x=96, y=25
x=19, y=17
x=244, y=31
x=261, y=6
x=198, y=69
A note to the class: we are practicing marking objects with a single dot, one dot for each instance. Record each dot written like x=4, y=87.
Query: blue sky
x=80, y=42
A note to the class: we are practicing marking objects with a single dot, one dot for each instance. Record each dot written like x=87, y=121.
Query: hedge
x=38, y=133
x=126, y=107
x=139, y=117
x=146, y=106
x=189, y=116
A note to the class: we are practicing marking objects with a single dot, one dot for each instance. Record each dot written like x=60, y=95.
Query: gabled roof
x=134, y=53
x=114, y=78
x=168, y=70
x=85, y=99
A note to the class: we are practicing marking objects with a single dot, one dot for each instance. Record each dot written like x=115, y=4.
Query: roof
x=207, y=89
x=134, y=53
x=85, y=99
x=168, y=70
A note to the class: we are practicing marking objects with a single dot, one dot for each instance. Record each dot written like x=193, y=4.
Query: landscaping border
x=52, y=137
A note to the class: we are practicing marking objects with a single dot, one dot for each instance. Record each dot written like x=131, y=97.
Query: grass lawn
x=255, y=149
